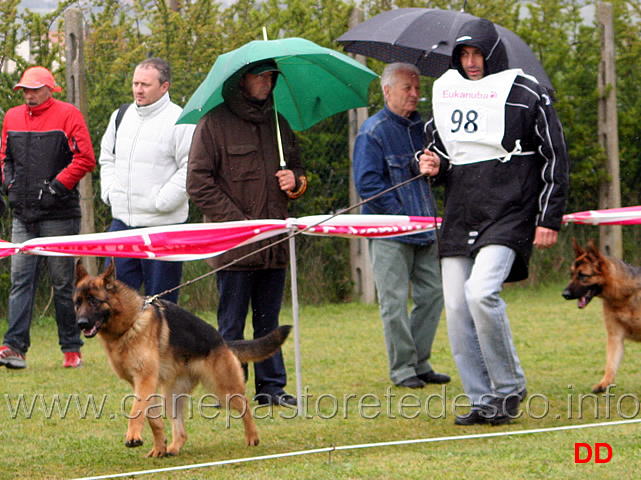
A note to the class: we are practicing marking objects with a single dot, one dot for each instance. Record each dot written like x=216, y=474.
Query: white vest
x=470, y=116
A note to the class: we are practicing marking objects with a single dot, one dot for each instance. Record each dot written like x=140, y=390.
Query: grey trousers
x=408, y=334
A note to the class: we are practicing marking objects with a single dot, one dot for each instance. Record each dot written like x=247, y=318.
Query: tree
x=120, y=33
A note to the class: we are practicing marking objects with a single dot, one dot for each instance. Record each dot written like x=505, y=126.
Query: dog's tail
x=260, y=348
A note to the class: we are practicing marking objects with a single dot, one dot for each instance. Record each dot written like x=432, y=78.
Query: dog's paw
x=134, y=442
x=157, y=452
x=599, y=387
x=252, y=442
x=173, y=449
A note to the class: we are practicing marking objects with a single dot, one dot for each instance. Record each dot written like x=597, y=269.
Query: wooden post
x=362, y=274
x=77, y=95
x=610, y=191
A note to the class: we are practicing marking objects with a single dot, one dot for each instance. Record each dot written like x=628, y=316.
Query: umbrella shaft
x=281, y=155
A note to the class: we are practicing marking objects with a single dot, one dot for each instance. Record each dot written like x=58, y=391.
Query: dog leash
x=153, y=300
x=150, y=299
x=437, y=232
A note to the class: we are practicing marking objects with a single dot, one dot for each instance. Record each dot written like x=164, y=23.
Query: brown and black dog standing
x=160, y=345
x=619, y=287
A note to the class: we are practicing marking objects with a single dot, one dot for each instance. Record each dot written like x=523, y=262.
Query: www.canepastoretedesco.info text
x=390, y=404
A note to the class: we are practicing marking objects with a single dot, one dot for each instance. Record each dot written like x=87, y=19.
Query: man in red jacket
x=46, y=150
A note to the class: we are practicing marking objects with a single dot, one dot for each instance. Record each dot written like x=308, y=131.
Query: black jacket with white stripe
x=501, y=203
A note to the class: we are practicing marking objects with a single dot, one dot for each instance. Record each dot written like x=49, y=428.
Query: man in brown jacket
x=234, y=174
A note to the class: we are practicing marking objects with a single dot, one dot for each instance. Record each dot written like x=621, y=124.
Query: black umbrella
x=426, y=37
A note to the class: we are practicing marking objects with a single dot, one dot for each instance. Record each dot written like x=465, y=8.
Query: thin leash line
x=367, y=445
x=437, y=232
x=150, y=299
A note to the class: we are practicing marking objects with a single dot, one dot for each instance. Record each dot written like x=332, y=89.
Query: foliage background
x=121, y=33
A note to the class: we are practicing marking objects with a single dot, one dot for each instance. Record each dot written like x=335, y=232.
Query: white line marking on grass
x=365, y=445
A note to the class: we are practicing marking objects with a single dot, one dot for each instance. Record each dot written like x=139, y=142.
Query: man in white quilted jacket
x=143, y=170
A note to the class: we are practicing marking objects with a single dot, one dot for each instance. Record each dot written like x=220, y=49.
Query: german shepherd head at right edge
x=619, y=287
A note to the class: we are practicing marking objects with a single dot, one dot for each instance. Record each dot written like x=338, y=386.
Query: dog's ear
x=109, y=275
x=593, y=249
x=81, y=271
x=578, y=251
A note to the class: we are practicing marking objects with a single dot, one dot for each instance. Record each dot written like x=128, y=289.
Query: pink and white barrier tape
x=192, y=241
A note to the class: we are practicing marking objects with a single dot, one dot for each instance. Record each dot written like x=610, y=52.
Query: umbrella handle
x=283, y=165
x=279, y=141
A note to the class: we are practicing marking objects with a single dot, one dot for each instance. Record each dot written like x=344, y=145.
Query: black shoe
x=282, y=399
x=522, y=395
x=502, y=410
x=506, y=408
x=411, y=382
x=433, y=377
x=475, y=417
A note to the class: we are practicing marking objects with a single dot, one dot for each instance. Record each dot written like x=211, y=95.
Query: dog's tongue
x=583, y=301
x=91, y=332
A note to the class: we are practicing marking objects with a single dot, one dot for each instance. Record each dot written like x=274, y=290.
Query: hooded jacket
x=501, y=202
x=232, y=169
x=46, y=150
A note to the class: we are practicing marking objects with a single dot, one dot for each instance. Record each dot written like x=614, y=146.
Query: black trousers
x=263, y=289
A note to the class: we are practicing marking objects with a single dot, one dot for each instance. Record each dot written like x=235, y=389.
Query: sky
x=39, y=6
x=44, y=6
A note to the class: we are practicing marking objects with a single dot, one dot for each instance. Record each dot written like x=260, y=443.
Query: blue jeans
x=158, y=276
x=408, y=338
x=25, y=271
x=264, y=290
x=478, y=326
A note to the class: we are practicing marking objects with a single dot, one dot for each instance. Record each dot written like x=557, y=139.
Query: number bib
x=470, y=115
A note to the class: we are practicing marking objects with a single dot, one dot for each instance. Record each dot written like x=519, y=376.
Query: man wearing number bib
x=496, y=143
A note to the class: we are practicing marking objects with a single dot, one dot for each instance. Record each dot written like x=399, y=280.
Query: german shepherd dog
x=160, y=345
x=619, y=286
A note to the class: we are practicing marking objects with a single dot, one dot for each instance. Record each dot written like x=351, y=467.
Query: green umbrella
x=316, y=82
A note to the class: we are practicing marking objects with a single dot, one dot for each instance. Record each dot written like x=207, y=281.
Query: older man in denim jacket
x=383, y=153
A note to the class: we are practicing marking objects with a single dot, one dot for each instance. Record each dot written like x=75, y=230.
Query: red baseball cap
x=37, y=77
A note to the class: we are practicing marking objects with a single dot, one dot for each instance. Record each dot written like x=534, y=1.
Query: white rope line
x=211, y=464
x=365, y=445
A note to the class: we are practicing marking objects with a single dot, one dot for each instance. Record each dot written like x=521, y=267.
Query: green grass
x=562, y=350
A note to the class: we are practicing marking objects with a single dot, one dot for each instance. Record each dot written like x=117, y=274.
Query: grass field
x=562, y=350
